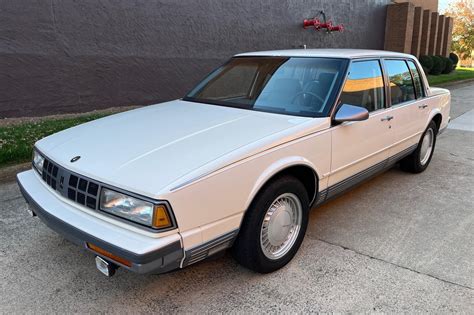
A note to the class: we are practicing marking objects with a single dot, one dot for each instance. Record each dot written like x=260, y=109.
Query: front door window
x=364, y=86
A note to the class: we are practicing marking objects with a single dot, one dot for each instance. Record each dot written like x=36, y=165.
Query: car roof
x=333, y=53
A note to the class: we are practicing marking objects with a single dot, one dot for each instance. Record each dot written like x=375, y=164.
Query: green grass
x=16, y=141
x=457, y=75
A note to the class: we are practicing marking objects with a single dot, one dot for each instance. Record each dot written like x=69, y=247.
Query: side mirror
x=351, y=113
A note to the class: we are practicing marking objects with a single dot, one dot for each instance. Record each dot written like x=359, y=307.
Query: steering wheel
x=313, y=95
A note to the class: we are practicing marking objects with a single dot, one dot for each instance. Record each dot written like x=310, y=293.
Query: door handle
x=387, y=118
x=422, y=106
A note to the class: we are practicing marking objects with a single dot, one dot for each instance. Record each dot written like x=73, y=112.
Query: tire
x=280, y=221
x=419, y=160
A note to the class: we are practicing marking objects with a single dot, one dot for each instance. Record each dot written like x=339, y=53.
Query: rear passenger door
x=361, y=148
x=406, y=104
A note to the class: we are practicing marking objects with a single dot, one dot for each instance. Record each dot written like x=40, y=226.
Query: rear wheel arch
x=437, y=118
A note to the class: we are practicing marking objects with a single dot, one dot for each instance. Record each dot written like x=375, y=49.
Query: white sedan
x=238, y=162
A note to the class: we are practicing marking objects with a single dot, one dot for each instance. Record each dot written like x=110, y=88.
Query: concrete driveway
x=398, y=243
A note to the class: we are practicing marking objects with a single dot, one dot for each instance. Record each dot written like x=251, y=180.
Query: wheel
x=274, y=226
x=419, y=160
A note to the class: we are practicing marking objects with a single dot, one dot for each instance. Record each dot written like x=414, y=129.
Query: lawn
x=16, y=141
x=457, y=75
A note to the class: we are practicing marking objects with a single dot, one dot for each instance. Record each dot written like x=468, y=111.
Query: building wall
x=431, y=5
x=71, y=56
x=412, y=29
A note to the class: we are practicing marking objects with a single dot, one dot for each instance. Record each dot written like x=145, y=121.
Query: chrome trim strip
x=203, y=251
x=400, y=155
x=359, y=160
x=354, y=179
x=336, y=189
x=321, y=197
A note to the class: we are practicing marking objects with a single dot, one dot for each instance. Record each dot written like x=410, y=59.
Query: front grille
x=50, y=174
x=72, y=186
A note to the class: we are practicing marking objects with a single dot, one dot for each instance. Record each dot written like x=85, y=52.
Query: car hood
x=144, y=150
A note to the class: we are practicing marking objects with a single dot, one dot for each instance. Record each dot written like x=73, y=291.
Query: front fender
x=275, y=168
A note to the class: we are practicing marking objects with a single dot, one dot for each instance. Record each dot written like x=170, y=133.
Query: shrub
x=427, y=63
x=425, y=70
x=438, y=65
x=448, y=65
x=443, y=62
x=455, y=59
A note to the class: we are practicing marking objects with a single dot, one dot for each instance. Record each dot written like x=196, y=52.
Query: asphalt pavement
x=398, y=243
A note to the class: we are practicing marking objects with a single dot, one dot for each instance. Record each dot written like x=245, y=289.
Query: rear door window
x=401, y=84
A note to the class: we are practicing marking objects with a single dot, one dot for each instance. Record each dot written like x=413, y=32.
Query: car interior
x=297, y=94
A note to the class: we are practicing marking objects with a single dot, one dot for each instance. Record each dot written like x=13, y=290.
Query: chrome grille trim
x=74, y=187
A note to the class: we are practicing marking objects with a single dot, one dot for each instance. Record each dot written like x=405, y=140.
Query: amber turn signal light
x=107, y=254
x=161, y=219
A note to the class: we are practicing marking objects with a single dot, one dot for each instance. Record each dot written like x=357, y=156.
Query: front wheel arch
x=303, y=172
x=248, y=248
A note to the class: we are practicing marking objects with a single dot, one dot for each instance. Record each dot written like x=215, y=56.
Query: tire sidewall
x=259, y=208
x=420, y=166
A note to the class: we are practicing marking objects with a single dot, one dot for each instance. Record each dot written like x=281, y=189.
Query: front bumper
x=146, y=254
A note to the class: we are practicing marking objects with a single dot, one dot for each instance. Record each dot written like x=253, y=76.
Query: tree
x=462, y=11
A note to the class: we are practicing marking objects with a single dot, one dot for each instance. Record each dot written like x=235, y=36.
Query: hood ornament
x=74, y=159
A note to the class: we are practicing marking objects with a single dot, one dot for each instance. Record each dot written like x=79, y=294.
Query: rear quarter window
x=416, y=79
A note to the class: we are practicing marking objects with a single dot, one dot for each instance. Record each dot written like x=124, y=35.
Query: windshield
x=291, y=86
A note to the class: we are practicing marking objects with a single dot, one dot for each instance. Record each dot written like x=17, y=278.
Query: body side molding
x=207, y=249
x=340, y=187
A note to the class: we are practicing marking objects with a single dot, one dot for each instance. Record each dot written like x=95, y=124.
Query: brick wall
x=416, y=30
x=399, y=27
x=431, y=5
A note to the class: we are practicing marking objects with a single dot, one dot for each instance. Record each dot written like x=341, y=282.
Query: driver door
x=361, y=148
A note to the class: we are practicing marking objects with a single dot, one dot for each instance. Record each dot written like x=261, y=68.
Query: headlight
x=38, y=161
x=133, y=209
